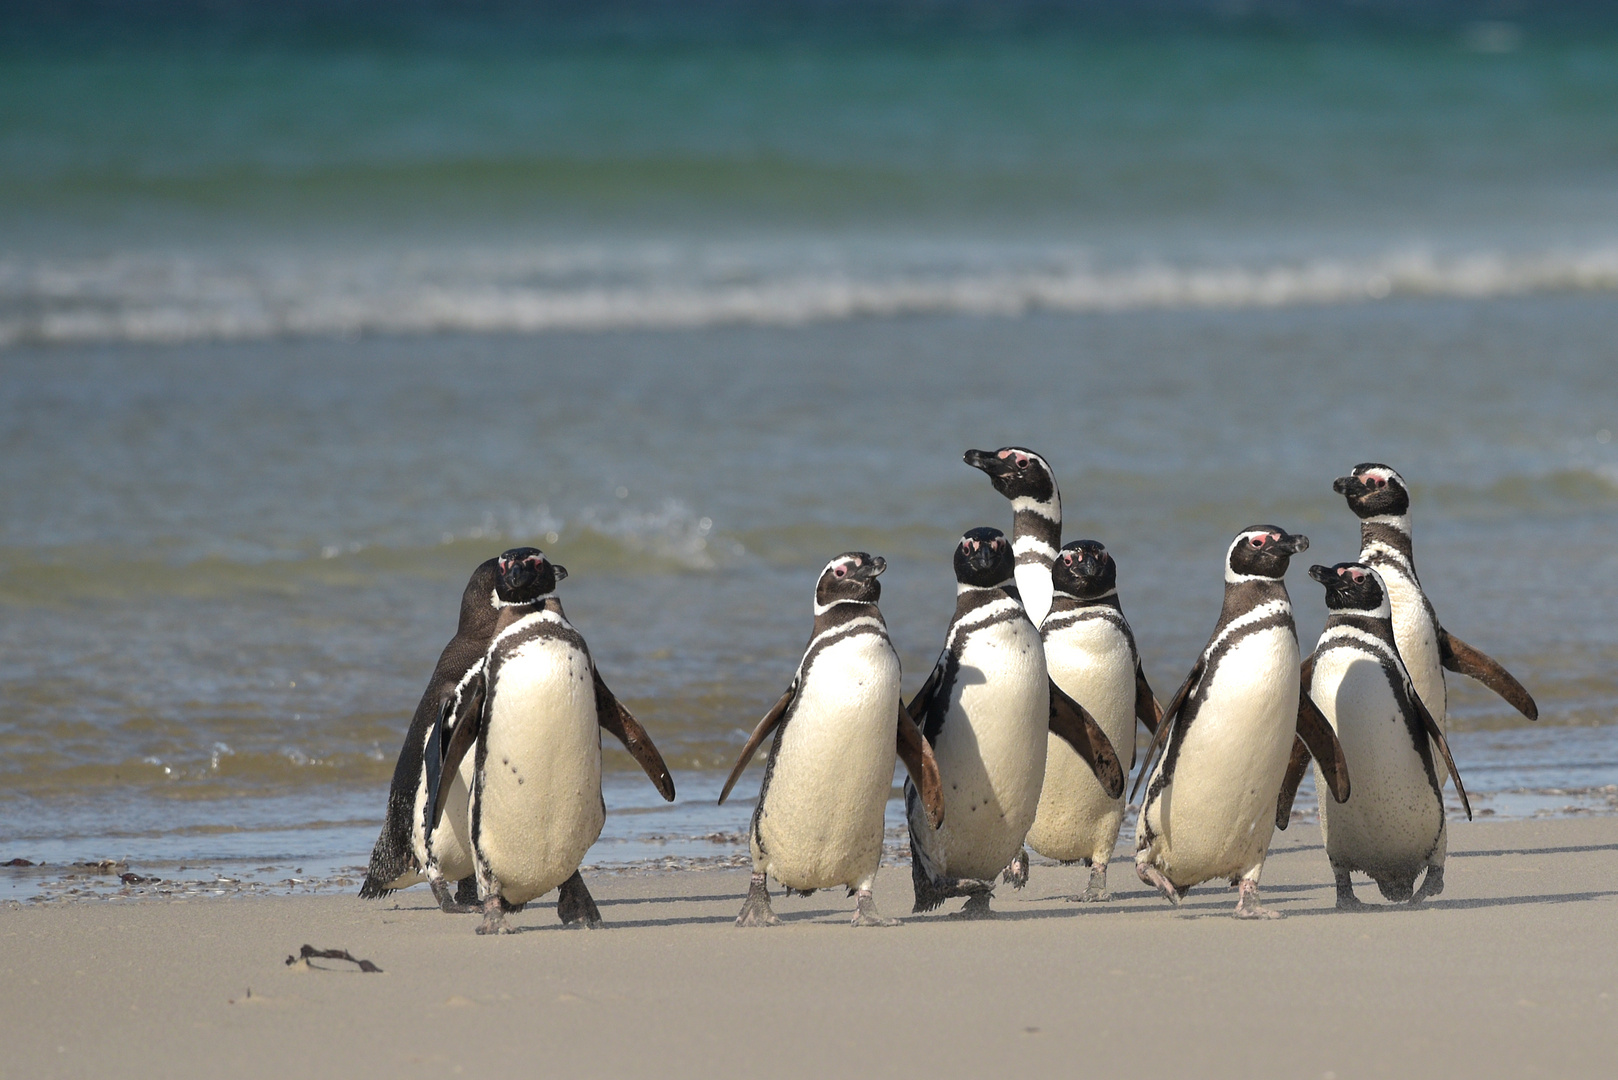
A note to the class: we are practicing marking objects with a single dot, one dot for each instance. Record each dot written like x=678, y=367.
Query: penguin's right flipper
x=755, y=740
x=614, y=718
x=1436, y=733
x=1074, y=725
x=921, y=708
x=468, y=726
x=1147, y=710
x=1317, y=734
x=1461, y=658
x=917, y=754
x=1165, y=724
x=1296, y=766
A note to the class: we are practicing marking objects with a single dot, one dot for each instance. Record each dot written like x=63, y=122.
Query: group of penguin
x=1012, y=741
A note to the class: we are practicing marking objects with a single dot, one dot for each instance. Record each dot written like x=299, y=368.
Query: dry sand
x=1512, y=972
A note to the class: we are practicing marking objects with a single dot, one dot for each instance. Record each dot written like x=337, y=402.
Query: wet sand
x=1512, y=972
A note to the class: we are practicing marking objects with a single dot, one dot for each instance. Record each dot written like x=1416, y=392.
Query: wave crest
x=169, y=299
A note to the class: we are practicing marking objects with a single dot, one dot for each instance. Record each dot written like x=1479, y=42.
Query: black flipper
x=433, y=753
x=755, y=740
x=1165, y=724
x=1317, y=734
x=1147, y=710
x=1437, y=736
x=1071, y=722
x=621, y=723
x=469, y=721
x=1296, y=767
x=921, y=705
x=1461, y=658
x=917, y=754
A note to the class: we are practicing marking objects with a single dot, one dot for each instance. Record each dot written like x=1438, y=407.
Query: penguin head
x=1373, y=490
x=526, y=575
x=1353, y=587
x=983, y=559
x=1084, y=570
x=1262, y=551
x=1015, y=472
x=852, y=576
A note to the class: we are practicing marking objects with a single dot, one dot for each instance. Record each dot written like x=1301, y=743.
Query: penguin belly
x=821, y=820
x=1092, y=663
x=991, y=750
x=1215, y=817
x=1393, y=819
x=1036, y=589
x=1417, y=638
x=539, y=800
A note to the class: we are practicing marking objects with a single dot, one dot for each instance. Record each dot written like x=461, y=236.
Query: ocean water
x=304, y=315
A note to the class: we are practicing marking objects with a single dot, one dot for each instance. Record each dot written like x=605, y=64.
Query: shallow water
x=301, y=320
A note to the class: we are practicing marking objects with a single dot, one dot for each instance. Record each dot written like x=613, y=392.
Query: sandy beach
x=1512, y=972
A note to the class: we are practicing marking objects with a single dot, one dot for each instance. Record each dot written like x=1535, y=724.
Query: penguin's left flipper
x=1461, y=658
x=1296, y=766
x=1073, y=724
x=621, y=723
x=432, y=754
x=1437, y=735
x=917, y=754
x=920, y=708
x=1165, y=723
x=1317, y=734
x=755, y=740
x=468, y=725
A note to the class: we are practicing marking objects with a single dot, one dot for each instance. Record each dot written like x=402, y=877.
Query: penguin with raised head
x=1380, y=498
x=986, y=708
x=1090, y=653
x=1210, y=807
x=819, y=818
x=1036, y=518
x=535, y=714
x=1392, y=826
x=401, y=857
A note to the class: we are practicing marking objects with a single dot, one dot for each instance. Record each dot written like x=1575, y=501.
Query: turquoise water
x=303, y=316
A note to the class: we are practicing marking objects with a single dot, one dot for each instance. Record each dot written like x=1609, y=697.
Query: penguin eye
x=1022, y=463
x=840, y=571
x=1256, y=541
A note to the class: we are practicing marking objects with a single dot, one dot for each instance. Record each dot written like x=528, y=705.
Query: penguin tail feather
x=374, y=888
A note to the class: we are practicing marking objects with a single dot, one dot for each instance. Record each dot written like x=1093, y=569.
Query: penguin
x=1036, y=518
x=986, y=708
x=535, y=713
x=1380, y=498
x=1392, y=827
x=819, y=818
x=1226, y=735
x=1090, y=653
x=400, y=857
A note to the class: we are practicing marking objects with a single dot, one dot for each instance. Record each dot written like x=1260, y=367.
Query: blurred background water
x=306, y=309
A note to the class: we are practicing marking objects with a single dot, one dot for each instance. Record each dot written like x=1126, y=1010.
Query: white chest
x=1417, y=638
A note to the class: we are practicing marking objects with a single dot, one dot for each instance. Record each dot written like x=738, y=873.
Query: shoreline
x=1512, y=971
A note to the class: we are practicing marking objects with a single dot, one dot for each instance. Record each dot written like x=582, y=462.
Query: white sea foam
x=161, y=298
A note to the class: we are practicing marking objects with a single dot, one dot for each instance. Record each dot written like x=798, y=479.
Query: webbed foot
x=1248, y=907
x=1154, y=877
x=575, y=904
x=452, y=903
x=1016, y=871
x=865, y=912
x=756, y=909
x=1346, y=900
x=1431, y=885
x=494, y=917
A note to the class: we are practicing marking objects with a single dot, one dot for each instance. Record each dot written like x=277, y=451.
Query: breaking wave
x=184, y=298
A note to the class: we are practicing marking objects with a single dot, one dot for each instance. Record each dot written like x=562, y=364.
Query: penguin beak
x=1324, y=574
x=871, y=569
x=988, y=462
x=1292, y=543
x=560, y=571
x=1352, y=486
x=983, y=556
